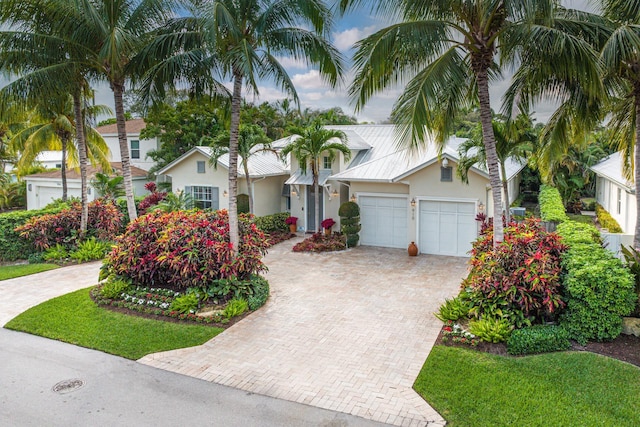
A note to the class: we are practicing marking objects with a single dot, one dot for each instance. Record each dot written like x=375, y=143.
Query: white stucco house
x=138, y=148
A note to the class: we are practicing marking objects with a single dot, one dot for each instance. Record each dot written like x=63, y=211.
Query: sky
x=315, y=94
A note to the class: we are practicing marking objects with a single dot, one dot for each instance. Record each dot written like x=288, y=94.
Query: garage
x=46, y=195
x=446, y=227
x=384, y=220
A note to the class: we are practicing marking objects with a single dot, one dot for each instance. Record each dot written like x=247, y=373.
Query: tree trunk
x=82, y=158
x=118, y=90
x=234, y=234
x=505, y=189
x=249, y=189
x=489, y=140
x=636, y=167
x=63, y=170
x=316, y=188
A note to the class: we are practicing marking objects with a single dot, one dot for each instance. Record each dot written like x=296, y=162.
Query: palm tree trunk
x=234, y=128
x=82, y=157
x=316, y=188
x=505, y=189
x=118, y=90
x=636, y=166
x=63, y=170
x=249, y=189
x=489, y=140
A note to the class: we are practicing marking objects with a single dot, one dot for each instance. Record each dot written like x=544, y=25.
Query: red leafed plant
x=328, y=223
x=104, y=222
x=184, y=249
x=153, y=198
x=520, y=279
x=292, y=220
x=319, y=242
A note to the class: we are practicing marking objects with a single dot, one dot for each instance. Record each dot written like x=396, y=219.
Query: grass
x=11, y=271
x=470, y=388
x=74, y=318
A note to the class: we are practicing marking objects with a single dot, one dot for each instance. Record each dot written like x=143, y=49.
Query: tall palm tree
x=309, y=145
x=448, y=51
x=514, y=140
x=251, y=141
x=242, y=40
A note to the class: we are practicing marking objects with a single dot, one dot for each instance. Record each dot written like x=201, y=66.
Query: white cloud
x=308, y=80
x=344, y=40
x=291, y=63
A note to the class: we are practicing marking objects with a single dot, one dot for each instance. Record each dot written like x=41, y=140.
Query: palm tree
x=251, y=140
x=308, y=145
x=241, y=40
x=514, y=140
x=448, y=51
x=107, y=186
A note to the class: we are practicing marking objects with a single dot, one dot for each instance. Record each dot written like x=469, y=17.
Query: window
x=135, y=149
x=326, y=162
x=204, y=197
x=619, y=201
x=201, y=166
x=58, y=165
x=446, y=174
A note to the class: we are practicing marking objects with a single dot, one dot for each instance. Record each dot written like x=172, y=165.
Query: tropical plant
x=453, y=309
x=458, y=42
x=491, y=329
x=308, y=145
x=174, y=202
x=235, y=307
x=108, y=186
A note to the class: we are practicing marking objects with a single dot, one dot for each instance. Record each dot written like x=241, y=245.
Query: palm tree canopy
x=251, y=140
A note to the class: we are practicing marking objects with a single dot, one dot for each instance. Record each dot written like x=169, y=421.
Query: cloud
x=309, y=80
x=344, y=40
x=291, y=63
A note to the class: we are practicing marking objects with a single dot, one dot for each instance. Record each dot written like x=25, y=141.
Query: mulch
x=625, y=348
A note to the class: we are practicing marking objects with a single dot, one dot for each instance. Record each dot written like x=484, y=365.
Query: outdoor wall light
x=413, y=202
x=353, y=198
x=445, y=162
x=413, y=208
x=225, y=193
x=481, y=207
x=334, y=194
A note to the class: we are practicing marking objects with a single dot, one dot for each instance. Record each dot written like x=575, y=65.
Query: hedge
x=538, y=339
x=12, y=246
x=274, y=222
x=606, y=220
x=551, y=206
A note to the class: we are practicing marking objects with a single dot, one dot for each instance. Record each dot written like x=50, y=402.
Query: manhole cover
x=67, y=386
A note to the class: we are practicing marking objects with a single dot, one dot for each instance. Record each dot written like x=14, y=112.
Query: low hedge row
x=606, y=220
x=538, y=339
x=551, y=206
x=274, y=222
x=12, y=246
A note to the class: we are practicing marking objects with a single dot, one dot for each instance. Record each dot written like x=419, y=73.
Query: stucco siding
x=146, y=145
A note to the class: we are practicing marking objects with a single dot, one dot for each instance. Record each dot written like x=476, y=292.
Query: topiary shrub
x=606, y=220
x=185, y=249
x=551, y=206
x=350, y=222
x=538, y=339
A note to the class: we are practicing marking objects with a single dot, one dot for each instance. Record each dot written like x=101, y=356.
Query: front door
x=311, y=207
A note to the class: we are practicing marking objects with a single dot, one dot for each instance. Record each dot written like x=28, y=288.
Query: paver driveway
x=345, y=331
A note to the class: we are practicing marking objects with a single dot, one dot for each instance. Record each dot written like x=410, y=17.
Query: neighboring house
x=48, y=159
x=403, y=197
x=209, y=186
x=43, y=188
x=138, y=148
x=615, y=193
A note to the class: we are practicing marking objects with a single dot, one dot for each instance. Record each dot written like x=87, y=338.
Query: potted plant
x=292, y=221
x=327, y=224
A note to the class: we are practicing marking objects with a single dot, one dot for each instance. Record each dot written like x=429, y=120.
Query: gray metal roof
x=298, y=178
x=611, y=168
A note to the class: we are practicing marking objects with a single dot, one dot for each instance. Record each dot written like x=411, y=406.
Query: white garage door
x=47, y=194
x=446, y=227
x=384, y=221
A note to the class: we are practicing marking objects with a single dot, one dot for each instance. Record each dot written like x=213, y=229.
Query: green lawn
x=474, y=389
x=75, y=319
x=11, y=271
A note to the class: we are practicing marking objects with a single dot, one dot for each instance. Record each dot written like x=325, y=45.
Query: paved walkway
x=22, y=293
x=344, y=331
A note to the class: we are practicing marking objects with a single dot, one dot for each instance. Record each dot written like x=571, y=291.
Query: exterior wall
x=146, y=145
x=40, y=192
x=514, y=188
x=267, y=194
x=624, y=212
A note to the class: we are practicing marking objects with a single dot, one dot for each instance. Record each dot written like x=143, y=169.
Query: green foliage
x=598, y=290
x=551, y=206
x=187, y=303
x=632, y=258
x=107, y=186
x=574, y=232
x=235, y=307
x=538, y=339
x=350, y=222
x=606, y=220
x=12, y=246
x=349, y=210
x=172, y=202
x=274, y=222
x=12, y=194
x=260, y=292
x=90, y=250
x=453, y=309
x=56, y=253
x=243, y=203
x=491, y=329
x=114, y=287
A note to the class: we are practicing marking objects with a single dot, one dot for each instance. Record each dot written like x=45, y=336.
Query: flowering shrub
x=328, y=223
x=520, y=279
x=292, y=220
x=151, y=199
x=456, y=333
x=319, y=242
x=105, y=221
x=184, y=249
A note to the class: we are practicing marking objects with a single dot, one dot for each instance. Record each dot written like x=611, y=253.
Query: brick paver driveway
x=345, y=331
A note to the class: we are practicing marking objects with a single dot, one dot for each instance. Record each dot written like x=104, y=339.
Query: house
x=615, y=193
x=138, y=148
x=43, y=188
x=403, y=196
x=209, y=186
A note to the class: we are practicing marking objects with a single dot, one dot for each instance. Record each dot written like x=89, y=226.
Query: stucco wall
x=607, y=196
x=146, y=145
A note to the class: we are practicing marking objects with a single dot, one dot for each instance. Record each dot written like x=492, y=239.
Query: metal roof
x=298, y=178
x=611, y=168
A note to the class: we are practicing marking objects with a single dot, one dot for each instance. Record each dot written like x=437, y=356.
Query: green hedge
x=551, y=206
x=274, y=222
x=599, y=289
x=538, y=339
x=606, y=220
x=12, y=246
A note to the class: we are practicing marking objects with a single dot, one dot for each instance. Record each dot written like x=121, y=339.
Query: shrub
x=90, y=250
x=520, y=278
x=538, y=339
x=56, y=253
x=271, y=223
x=632, y=259
x=235, y=307
x=551, y=207
x=260, y=292
x=606, y=220
x=153, y=198
x=243, y=203
x=350, y=222
x=292, y=220
x=453, y=309
x=573, y=232
x=42, y=232
x=491, y=329
x=185, y=249
x=187, y=303
x=319, y=242
x=12, y=246
x=114, y=287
